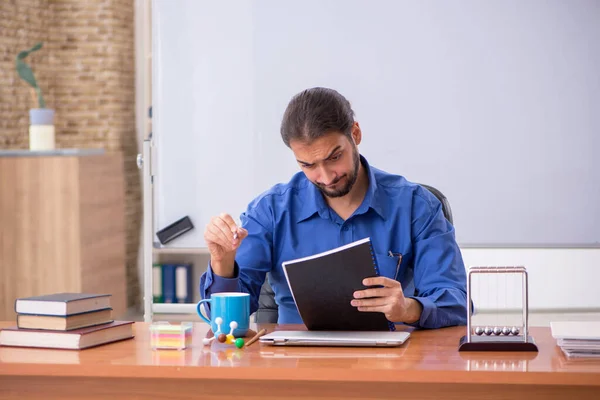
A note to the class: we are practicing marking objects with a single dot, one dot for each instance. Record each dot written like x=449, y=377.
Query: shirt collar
x=315, y=203
x=374, y=198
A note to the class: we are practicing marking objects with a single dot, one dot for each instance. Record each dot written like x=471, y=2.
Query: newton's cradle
x=503, y=337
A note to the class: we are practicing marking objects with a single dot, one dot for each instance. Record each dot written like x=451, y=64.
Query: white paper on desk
x=581, y=354
x=576, y=330
x=579, y=344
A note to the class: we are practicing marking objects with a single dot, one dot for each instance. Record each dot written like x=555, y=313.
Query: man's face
x=330, y=162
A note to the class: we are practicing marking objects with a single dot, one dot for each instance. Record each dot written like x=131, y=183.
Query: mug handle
x=200, y=312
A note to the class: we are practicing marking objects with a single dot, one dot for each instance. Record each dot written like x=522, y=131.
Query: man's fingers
x=229, y=222
x=222, y=230
x=226, y=226
x=239, y=235
x=385, y=310
x=376, y=292
x=219, y=236
x=242, y=233
x=381, y=281
x=376, y=302
x=215, y=240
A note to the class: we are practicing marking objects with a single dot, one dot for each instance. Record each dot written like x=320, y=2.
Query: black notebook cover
x=323, y=286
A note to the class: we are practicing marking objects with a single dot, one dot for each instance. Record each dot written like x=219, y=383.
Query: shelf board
x=176, y=250
x=174, y=308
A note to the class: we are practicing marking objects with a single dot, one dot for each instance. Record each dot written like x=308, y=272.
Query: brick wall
x=22, y=24
x=86, y=71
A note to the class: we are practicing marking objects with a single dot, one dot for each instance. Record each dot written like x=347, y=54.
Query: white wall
x=559, y=279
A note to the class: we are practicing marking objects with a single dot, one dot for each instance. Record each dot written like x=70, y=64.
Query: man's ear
x=356, y=133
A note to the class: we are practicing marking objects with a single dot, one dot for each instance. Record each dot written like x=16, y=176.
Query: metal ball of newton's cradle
x=514, y=330
x=505, y=330
x=487, y=330
x=479, y=331
x=497, y=330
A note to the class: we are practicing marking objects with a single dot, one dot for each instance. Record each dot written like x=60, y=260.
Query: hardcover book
x=64, y=322
x=76, y=339
x=62, y=303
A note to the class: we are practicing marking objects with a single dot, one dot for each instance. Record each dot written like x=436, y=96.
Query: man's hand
x=223, y=237
x=388, y=299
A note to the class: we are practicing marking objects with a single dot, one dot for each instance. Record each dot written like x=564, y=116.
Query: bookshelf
x=198, y=258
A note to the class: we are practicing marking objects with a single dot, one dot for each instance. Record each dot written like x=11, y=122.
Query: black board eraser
x=175, y=230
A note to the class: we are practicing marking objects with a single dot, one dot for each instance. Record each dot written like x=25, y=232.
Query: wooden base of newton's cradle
x=490, y=343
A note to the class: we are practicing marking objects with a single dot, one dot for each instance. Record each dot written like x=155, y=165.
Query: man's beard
x=351, y=180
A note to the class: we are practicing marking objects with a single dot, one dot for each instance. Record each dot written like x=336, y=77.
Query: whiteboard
x=495, y=103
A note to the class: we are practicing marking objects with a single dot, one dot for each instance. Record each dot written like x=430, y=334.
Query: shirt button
x=345, y=228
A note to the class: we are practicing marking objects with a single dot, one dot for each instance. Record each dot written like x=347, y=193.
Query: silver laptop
x=335, y=338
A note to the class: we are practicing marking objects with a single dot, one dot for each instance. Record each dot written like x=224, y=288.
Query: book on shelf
x=62, y=304
x=76, y=339
x=323, y=287
x=172, y=283
x=64, y=322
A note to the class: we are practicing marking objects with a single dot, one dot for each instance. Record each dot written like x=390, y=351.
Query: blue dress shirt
x=293, y=220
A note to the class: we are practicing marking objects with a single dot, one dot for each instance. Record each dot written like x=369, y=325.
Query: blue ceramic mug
x=229, y=306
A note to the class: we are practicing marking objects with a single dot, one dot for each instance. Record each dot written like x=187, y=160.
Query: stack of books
x=577, y=339
x=65, y=321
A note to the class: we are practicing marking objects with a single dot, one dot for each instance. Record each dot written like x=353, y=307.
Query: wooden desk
x=428, y=366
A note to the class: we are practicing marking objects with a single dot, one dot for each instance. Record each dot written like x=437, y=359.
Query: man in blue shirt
x=338, y=198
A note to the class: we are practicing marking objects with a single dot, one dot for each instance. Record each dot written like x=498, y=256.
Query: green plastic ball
x=239, y=343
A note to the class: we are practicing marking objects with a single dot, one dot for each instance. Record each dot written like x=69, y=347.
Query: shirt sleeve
x=252, y=262
x=439, y=271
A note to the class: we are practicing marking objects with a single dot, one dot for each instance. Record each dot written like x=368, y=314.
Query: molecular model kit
x=221, y=337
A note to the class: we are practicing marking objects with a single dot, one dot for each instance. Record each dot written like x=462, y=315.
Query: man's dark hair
x=315, y=112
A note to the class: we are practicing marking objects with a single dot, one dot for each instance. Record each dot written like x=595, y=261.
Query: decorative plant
x=26, y=73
